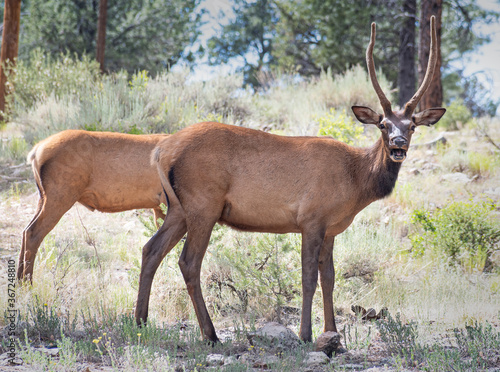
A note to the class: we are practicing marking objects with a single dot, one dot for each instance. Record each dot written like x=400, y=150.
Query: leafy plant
x=261, y=270
x=44, y=75
x=465, y=233
x=400, y=338
x=150, y=224
x=340, y=126
x=457, y=115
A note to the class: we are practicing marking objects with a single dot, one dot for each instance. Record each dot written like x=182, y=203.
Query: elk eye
x=413, y=127
x=381, y=126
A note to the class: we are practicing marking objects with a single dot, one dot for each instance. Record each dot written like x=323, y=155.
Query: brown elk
x=110, y=172
x=260, y=182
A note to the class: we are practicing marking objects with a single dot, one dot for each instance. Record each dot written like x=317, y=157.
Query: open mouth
x=398, y=155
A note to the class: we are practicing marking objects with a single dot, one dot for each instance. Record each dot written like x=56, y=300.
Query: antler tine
x=431, y=66
x=386, y=105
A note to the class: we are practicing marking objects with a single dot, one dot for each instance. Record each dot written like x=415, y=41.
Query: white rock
x=316, y=358
x=215, y=360
x=274, y=334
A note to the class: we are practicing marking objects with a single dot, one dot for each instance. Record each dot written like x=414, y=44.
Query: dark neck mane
x=379, y=172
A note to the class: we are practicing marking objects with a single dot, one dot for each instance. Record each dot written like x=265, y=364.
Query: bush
x=457, y=115
x=42, y=76
x=352, y=87
x=464, y=233
x=261, y=270
x=340, y=126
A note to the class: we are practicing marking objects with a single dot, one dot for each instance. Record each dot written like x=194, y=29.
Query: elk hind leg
x=190, y=264
x=169, y=234
x=51, y=207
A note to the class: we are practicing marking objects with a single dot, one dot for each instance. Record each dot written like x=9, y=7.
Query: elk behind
x=108, y=172
x=256, y=181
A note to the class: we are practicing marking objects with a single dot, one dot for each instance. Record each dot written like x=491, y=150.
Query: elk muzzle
x=398, y=148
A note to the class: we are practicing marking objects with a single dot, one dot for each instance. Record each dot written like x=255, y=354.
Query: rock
x=458, y=177
x=371, y=314
x=315, y=358
x=266, y=362
x=53, y=352
x=353, y=366
x=274, y=334
x=7, y=359
x=328, y=342
x=215, y=360
x=230, y=360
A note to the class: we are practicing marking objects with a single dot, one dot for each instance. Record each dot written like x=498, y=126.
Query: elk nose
x=399, y=141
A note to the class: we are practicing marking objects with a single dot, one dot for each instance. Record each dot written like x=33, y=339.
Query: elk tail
x=166, y=173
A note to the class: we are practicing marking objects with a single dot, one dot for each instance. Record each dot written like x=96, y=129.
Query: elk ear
x=429, y=117
x=366, y=115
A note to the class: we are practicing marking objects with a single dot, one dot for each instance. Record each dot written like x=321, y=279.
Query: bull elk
x=108, y=172
x=260, y=182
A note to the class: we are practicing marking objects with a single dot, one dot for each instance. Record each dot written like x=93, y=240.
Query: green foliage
x=482, y=164
x=348, y=88
x=464, y=233
x=262, y=267
x=150, y=224
x=399, y=337
x=480, y=342
x=13, y=149
x=251, y=32
x=149, y=35
x=54, y=94
x=457, y=115
x=340, y=126
x=42, y=75
x=477, y=346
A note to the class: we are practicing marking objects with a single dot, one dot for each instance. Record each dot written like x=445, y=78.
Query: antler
x=431, y=66
x=386, y=105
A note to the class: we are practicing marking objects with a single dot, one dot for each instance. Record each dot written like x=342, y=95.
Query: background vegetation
x=429, y=252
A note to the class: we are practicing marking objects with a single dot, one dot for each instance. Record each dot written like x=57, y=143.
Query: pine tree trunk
x=406, y=73
x=101, y=33
x=10, y=44
x=434, y=95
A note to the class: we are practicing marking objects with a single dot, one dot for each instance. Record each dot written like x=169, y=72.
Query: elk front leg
x=311, y=246
x=327, y=280
x=190, y=264
x=153, y=253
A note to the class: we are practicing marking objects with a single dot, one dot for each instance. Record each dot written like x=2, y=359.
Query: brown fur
x=108, y=172
x=256, y=181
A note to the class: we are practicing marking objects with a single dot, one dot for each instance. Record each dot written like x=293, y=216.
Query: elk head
x=397, y=127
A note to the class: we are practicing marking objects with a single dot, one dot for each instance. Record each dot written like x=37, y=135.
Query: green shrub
x=464, y=233
x=42, y=76
x=482, y=164
x=340, y=126
x=400, y=338
x=457, y=115
x=477, y=346
x=261, y=270
x=351, y=87
x=13, y=149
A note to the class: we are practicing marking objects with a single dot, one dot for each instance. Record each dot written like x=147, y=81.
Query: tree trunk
x=406, y=73
x=101, y=32
x=10, y=44
x=434, y=95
